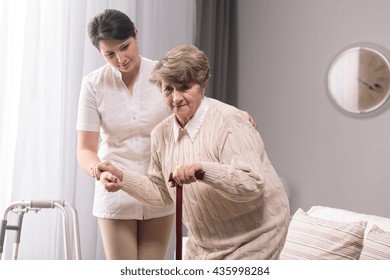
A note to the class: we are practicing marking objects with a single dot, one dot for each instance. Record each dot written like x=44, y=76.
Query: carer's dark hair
x=110, y=25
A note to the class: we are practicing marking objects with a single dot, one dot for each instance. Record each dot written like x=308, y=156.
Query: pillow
x=376, y=245
x=319, y=239
x=341, y=215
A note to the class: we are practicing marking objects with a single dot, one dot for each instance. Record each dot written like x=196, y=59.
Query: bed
x=326, y=233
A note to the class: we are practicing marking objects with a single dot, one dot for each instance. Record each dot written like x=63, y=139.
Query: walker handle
x=42, y=203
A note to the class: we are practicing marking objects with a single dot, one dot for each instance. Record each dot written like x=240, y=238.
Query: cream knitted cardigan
x=240, y=210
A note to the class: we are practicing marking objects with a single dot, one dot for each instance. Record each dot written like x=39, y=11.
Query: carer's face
x=121, y=54
x=182, y=100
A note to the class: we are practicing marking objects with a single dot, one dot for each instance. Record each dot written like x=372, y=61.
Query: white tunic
x=124, y=122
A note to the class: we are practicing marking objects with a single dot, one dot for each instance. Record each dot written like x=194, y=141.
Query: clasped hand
x=111, y=177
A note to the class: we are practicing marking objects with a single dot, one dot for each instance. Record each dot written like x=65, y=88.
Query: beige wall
x=326, y=157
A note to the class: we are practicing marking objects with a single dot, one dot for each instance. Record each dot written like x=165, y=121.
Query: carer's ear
x=135, y=31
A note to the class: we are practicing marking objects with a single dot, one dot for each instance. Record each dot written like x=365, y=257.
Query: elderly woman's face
x=182, y=100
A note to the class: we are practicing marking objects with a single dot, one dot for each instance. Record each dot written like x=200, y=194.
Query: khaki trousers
x=136, y=239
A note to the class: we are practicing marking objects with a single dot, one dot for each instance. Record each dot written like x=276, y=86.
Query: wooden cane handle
x=199, y=175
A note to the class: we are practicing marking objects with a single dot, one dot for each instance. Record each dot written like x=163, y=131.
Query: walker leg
x=18, y=229
x=76, y=231
x=22, y=207
x=3, y=227
x=65, y=229
x=15, y=251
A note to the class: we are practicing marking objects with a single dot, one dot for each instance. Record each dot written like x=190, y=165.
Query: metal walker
x=22, y=207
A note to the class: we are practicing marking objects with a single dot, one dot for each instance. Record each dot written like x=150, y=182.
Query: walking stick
x=179, y=207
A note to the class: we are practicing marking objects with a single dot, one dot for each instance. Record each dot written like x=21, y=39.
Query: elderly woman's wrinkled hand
x=185, y=174
x=110, y=182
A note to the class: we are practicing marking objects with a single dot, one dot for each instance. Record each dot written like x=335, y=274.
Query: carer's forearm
x=87, y=159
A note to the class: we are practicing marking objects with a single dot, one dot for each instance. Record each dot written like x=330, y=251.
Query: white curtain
x=45, y=52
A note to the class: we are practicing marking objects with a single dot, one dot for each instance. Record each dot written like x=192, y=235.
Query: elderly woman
x=240, y=209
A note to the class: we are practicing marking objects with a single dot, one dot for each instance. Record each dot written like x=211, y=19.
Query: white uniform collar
x=194, y=124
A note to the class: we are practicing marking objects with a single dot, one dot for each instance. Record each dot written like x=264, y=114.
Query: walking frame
x=22, y=207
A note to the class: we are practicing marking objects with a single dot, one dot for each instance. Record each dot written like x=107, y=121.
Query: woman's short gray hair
x=184, y=64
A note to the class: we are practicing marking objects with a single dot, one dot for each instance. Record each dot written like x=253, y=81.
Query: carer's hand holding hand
x=108, y=166
x=110, y=176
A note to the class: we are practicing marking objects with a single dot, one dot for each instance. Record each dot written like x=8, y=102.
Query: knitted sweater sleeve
x=239, y=174
x=144, y=189
x=151, y=189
